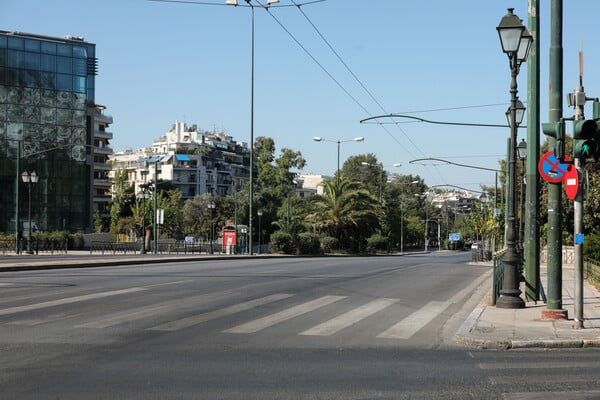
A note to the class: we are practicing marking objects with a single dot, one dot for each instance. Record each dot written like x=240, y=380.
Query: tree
x=346, y=211
x=121, y=200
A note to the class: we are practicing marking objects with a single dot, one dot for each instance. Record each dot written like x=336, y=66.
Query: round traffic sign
x=551, y=169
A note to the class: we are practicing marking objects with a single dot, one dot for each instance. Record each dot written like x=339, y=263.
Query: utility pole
x=532, y=200
x=579, y=97
x=554, y=308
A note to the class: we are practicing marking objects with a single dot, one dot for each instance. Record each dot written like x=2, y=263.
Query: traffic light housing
x=557, y=131
x=585, y=139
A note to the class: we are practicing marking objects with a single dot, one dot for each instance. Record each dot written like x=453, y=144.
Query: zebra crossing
x=178, y=314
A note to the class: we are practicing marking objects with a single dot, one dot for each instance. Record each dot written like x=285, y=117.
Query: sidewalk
x=489, y=327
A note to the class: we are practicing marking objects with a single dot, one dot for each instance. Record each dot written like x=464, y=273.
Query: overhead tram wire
x=321, y=66
x=362, y=85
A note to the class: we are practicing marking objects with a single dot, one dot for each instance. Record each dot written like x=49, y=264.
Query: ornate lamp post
x=29, y=178
x=515, y=41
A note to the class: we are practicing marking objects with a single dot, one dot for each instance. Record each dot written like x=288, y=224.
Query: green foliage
x=329, y=244
x=377, y=242
x=346, y=211
x=591, y=247
x=282, y=242
x=308, y=243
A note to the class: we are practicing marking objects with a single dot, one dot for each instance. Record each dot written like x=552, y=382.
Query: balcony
x=105, y=183
x=103, y=134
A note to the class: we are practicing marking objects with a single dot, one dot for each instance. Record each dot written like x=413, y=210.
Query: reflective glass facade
x=46, y=87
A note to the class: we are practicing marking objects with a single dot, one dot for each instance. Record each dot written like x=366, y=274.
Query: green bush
x=591, y=247
x=282, y=242
x=329, y=244
x=308, y=243
x=377, y=242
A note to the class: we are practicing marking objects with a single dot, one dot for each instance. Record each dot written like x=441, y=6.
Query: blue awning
x=152, y=159
x=182, y=157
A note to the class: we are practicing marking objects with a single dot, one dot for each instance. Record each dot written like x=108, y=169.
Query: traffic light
x=557, y=131
x=585, y=140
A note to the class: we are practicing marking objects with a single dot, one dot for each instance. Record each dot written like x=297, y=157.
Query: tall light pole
x=402, y=215
x=251, y=166
x=339, y=142
x=381, y=166
x=29, y=178
x=211, y=206
x=515, y=41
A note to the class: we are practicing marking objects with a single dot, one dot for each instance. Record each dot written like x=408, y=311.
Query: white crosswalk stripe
x=166, y=316
x=410, y=325
x=234, y=309
x=270, y=320
x=68, y=300
x=349, y=318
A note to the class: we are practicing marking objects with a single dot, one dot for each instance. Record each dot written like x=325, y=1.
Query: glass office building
x=46, y=125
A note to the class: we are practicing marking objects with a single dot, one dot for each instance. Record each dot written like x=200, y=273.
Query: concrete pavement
x=487, y=327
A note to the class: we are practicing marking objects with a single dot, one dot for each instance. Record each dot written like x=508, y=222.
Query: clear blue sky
x=162, y=62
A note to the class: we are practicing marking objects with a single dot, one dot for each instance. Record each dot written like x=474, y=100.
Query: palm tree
x=346, y=211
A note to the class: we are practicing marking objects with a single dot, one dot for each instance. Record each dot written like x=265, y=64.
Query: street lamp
x=515, y=41
x=321, y=139
x=29, y=178
x=251, y=186
x=380, y=165
x=211, y=206
x=259, y=213
x=144, y=195
x=402, y=216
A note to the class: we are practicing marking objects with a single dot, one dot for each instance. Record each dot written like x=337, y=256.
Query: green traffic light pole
x=554, y=260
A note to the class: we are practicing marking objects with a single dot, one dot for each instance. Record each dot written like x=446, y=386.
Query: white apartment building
x=195, y=162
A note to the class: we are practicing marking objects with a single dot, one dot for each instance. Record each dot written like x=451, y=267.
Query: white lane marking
x=234, y=309
x=168, y=283
x=410, y=325
x=132, y=314
x=68, y=300
x=122, y=317
x=270, y=320
x=43, y=320
x=336, y=324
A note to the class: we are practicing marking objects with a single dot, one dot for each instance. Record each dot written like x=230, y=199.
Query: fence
x=498, y=274
x=591, y=270
x=37, y=246
x=167, y=246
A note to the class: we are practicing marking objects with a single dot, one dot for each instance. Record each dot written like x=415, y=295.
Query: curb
x=465, y=337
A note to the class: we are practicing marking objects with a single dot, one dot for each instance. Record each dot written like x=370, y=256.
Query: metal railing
x=498, y=274
x=9, y=246
x=591, y=270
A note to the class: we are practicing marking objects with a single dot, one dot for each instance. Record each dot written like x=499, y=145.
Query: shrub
x=282, y=242
x=329, y=244
x=591, y=247
x=308, y=243
x=377, y=242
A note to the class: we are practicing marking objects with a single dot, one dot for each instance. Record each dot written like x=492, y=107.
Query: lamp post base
x=510, y=300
